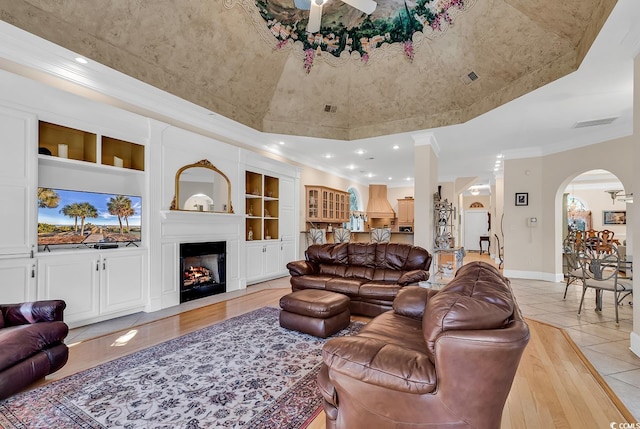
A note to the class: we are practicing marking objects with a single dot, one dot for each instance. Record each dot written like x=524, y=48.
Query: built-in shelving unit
x=67, y=145
x=261, y=206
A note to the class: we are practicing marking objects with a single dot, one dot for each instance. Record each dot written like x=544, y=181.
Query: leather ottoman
x=316, y=312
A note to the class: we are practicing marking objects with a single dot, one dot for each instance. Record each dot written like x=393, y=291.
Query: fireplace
x=202, y=270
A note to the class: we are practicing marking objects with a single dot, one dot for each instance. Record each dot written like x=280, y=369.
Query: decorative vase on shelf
x=251, y=210
x=250, y=234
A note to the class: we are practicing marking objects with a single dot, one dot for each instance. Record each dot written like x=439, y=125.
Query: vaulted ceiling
x=220, y=54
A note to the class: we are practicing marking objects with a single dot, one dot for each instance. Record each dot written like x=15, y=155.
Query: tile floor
x=602, y=342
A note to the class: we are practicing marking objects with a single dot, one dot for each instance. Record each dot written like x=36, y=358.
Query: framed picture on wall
x=614, y=217
x=522, y=198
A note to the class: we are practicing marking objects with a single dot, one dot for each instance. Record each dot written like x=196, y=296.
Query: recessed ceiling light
x=370, y=175
x=328, y=156
x=351, y=167
x=500, y=156
x=408, y=179
x=395, y=146
x=390, y=178
x=81, y=60
x=282, y=143
x=361, y=151
x=496, y=169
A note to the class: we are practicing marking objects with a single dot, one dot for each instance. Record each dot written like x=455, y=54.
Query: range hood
x=378, y=205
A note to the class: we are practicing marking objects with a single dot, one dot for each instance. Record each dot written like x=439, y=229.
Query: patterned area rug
x=245, y=372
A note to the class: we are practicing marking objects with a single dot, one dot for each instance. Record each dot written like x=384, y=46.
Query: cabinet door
x=254, y=262
x=313, y=204
x=272, y=259
x=74, y=279
x=17, y=182
x=18, y=280
x=122, y=281
x=287, y=210
x=287, y=253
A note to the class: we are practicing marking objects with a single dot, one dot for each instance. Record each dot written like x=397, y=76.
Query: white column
x=633, y=228
x=426, y=184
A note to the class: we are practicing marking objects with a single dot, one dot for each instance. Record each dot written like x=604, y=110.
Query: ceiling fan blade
x=315, y=18
x=367, y=6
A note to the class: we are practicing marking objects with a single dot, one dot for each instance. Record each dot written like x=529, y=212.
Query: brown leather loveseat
x=31, y=343
x=439, y=359
x=370, y=274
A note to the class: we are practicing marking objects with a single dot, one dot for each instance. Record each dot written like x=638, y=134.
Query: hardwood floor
x=553, y=387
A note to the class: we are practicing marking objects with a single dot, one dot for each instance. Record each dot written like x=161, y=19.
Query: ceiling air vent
x=469, y=77
x=594, y=122
x=330, y=109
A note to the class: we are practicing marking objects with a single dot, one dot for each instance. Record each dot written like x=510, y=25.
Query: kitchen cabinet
x=326, y=205
x=405, y=212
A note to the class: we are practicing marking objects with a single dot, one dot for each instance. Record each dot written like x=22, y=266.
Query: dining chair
x=341, y=235
x=380, y=235
x=600, y=267
x=571, y=267
x=318, y=236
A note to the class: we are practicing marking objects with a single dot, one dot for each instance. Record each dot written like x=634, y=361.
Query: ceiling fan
x=615, y=193
x=315, y=10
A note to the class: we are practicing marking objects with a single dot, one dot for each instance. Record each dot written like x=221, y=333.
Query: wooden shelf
x=84, y=147
x=262, y=206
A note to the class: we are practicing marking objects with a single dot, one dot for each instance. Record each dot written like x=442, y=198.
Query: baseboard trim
x=534, y=275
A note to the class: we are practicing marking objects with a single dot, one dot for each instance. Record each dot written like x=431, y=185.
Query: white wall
x=536, y=252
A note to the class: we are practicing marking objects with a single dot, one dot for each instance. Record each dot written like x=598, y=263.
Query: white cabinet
x=263, y=261
x=17, y=183
x=18, y=280
x=94, y=285
x=122, y=281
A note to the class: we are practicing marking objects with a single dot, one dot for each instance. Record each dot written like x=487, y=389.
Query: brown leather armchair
x=31, y=343
x=439, y=359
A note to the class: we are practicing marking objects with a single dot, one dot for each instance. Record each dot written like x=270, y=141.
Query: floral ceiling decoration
x=397, y=26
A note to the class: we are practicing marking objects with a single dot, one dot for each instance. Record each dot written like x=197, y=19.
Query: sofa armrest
x=300, y=268
x=32, y=312
x=411, y=301
x=413, y=276
x=377, y=362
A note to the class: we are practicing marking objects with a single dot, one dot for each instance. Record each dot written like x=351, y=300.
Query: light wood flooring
x=555, y=387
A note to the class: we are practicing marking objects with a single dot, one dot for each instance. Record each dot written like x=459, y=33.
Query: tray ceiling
x=221, y=54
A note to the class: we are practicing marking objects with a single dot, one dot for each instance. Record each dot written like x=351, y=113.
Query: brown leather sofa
x=439, y=359
x=370, y=274
x=31, y=343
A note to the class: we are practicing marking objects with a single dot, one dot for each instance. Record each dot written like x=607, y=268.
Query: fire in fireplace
x=202, y=268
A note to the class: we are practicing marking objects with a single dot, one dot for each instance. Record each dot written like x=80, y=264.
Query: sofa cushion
x=332, y=269
x=397, y=256
x=328, y=254
x=345, y=285
x=310, y=281
x=20, y=342
x=478, y=297
x=387, y=275
x=389, y=352
x=386, y=291
x=363, y=254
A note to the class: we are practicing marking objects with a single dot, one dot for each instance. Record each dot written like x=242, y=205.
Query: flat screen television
x=92, y=219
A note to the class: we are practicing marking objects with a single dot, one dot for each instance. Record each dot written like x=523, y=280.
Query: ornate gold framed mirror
x=202, y=187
